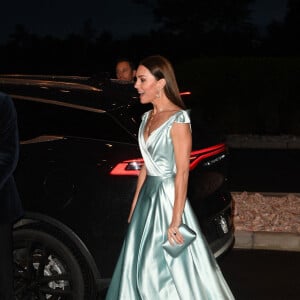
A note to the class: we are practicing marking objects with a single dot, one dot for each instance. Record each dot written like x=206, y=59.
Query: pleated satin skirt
x=146, y=271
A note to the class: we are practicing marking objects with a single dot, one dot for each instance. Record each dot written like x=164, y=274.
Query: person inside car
x=121, y=89
x=125, y=70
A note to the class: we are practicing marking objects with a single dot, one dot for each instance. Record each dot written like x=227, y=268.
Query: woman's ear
x=161, y=83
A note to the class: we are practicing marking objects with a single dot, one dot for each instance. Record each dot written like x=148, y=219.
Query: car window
x=39, y=118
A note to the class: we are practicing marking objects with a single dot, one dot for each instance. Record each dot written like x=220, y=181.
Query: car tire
x=45, y=267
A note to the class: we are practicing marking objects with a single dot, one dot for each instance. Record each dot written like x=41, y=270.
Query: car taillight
x=133, y=166
x=199, y=155
x=128, y=167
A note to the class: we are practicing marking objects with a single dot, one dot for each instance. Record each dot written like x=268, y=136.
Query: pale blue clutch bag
x=189, y=236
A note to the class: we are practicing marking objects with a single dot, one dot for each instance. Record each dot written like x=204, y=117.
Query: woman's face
x=146, y=85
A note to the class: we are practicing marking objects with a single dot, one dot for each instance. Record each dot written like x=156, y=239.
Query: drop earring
x=158, y=94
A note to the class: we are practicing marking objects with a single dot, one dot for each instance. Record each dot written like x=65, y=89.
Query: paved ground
x=262, y=274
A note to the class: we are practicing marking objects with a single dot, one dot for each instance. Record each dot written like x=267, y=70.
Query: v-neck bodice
x=157, y=150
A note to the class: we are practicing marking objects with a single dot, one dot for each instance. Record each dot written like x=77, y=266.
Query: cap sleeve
x=182, y=117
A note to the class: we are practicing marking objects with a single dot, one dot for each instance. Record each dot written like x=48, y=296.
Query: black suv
x=76, y=176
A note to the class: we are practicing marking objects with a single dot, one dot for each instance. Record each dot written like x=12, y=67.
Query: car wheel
x=45, y=268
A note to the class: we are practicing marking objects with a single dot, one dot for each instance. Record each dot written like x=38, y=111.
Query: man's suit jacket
x=10, y=204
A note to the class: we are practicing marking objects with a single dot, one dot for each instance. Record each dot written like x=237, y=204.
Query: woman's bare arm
x=182, y=141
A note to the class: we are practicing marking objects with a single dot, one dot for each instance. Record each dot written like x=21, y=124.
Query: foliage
x=194, y=17
x=253, y=95
x=243, y=82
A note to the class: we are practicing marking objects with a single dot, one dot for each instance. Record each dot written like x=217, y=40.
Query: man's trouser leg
x=6, y=262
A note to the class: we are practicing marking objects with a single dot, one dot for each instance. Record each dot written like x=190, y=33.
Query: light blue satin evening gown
x=144, y=269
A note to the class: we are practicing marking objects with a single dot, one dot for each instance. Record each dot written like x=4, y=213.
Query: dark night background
x=239, y=58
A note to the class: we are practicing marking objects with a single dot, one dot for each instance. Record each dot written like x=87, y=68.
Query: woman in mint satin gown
x=144, y=269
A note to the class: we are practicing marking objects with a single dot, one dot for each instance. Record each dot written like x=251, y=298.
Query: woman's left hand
x=174, y=235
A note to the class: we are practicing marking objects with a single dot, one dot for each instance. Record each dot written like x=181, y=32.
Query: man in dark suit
x=10, y=205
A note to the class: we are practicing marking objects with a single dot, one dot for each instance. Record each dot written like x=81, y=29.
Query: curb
x=282, y=241
x=272, y=237
x=266, y=240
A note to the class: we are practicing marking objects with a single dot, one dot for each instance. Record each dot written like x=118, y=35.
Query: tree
x=20, y=36
x=284, y=36
x=218, y=26
x=292, y=24
x=190, y=17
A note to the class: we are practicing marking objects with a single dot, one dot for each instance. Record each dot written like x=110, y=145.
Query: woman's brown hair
x=160, y=67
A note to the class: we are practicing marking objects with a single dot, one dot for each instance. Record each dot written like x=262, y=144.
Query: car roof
x=98, y=92
x=95, y=93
